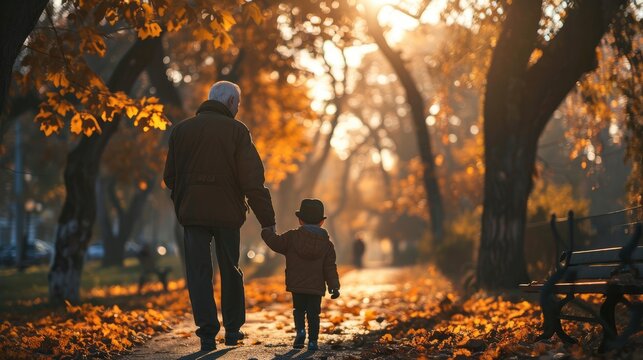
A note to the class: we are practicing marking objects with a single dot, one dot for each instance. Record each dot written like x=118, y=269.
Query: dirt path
x=365, y=294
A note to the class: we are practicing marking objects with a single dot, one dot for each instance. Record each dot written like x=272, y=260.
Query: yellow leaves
x=150, y=112
x=548, y=198
x=85, y=123
x=386, y=338
x=252, y=11
x=462, y=352
x=175, y=25
x=131, y=111
x=223, y=41
x=63, y=107
x=535, y=56
x=58, y=79
x=178, y=20
x=32, y=342
x=76, y=124
x=49, y=122
x=149, y=30
x=147, y=8
x=202, y=34
x=111, y=15
x=91, y=42
x=227, y=20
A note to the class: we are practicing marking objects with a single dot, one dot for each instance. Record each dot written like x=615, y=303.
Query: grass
x=32, y=283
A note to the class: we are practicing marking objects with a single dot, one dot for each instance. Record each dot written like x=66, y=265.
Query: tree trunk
x=416, y=103
x=16, y=107
x=508, y=182
x=79, y=210
x=104, y=217
x=519, y=101
x=127, y=219
x=114, y=252
x=18, y=20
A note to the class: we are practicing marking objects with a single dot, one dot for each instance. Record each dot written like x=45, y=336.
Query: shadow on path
x=294, y=354
x=201, y=355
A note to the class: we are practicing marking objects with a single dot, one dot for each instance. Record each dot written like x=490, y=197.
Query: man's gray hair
x=222, y=90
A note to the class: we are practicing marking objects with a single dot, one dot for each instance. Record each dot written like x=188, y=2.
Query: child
x=310, y=265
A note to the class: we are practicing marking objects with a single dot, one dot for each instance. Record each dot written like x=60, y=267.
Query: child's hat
x=311, y=211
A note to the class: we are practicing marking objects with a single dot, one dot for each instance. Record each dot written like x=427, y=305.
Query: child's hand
x=268, y=232
x=334, y=293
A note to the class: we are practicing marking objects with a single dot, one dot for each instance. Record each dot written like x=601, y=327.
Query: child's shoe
x=312, y=345
x=208, y=344
x=299, y=339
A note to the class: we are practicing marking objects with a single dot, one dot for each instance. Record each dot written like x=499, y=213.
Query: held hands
x=272, y=229
x=334, y=293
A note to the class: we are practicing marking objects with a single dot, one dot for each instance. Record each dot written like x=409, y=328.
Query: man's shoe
x=208, y=345
x=233, y=337
x=312, y=345
x=299, y=339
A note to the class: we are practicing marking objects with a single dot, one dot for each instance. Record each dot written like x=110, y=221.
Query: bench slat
x=595, y=272
x=606, y=255
x=589, y=287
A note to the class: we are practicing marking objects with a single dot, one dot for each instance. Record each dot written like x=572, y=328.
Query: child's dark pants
x=310, y=306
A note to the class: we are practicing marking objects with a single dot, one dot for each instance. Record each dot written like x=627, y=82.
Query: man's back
x=212, y=165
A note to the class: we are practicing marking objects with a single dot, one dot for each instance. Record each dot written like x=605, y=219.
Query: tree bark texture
x=18, y=18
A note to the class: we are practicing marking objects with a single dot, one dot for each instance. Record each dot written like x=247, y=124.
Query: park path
x=363, y=304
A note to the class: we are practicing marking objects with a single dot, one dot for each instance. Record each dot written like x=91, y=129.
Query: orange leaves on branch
x=91, y=42
x=56, y=60
x=225, y=23
x=223, y=41
x=149, y=30
x=53, y=112
x=85, y=123
x=252, y=11
x=150, y=113
x=58, y=79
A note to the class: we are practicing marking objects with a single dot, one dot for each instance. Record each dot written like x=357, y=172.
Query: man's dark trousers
x=198, y=265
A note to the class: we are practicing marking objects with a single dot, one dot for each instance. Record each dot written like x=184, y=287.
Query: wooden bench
x=613, y=272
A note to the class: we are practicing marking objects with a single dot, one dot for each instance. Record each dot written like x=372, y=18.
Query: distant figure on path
x=149, y=265
x=359, y=248
x=212, y=167
x=310, y=266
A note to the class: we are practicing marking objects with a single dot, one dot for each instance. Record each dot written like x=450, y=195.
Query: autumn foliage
x=75, y=91
x=395, y=314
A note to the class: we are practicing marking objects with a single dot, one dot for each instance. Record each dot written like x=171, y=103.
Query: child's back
x=310, y=259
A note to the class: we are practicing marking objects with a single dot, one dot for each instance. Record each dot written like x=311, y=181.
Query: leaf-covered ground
x=382, y=313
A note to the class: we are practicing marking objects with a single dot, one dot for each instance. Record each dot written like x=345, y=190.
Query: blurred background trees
x=435, y=130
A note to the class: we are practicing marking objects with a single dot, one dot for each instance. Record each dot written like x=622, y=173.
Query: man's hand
x=272, y=229
x=334, y=293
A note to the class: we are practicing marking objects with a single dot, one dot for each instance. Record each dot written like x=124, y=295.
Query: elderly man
x=212, y=167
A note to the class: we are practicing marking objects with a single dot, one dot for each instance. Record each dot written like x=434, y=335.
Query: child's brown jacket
x=310, y=259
